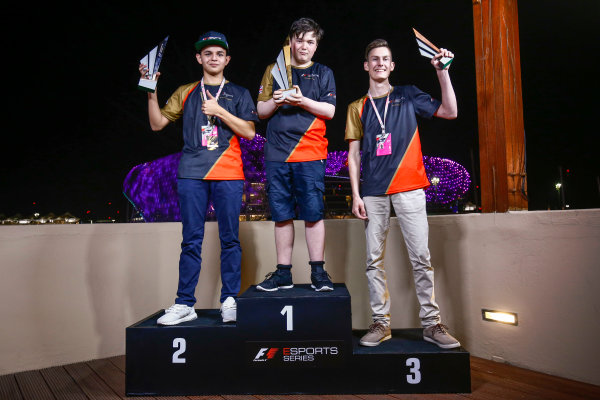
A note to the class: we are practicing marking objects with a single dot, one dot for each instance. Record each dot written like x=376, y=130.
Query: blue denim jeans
x=194, y=196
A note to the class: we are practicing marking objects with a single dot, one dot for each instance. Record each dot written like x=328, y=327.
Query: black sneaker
x=280, y=279
x=321, y=281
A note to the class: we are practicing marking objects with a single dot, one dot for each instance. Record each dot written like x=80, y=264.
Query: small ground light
x=500, y=316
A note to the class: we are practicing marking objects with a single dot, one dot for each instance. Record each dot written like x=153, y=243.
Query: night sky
x=76, y=124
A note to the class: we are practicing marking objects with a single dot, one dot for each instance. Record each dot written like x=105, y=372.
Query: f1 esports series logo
x=296, y=354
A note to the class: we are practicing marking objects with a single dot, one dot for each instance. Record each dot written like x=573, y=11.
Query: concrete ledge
x=68, y=291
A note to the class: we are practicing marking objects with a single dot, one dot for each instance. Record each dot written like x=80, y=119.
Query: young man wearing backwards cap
x=295, y=154
x=215, y=113
x=384, y=122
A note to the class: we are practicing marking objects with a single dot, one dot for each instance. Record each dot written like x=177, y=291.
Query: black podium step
x=295, y=328
x=408, y=364
x=296, y=341
x=192, y=357
x=299, y=313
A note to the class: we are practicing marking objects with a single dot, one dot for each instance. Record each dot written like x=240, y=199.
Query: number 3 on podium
x=415, y=376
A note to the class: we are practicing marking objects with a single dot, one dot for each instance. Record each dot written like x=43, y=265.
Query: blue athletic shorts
x=291, y=184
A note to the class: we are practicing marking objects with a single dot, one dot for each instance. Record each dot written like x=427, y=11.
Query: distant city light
x=470, y=207
x=38, y=219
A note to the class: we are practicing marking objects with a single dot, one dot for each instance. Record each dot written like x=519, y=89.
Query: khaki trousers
x=412, y=216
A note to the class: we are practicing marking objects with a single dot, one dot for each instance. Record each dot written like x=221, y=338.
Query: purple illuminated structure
x=449, y=180
x=152, y=187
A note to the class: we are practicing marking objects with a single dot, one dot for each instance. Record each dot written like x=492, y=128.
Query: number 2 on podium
x=289, y=310
x=179, y=343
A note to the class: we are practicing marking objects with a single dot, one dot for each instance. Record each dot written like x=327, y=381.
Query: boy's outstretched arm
x=157, y=120
x=449, y=107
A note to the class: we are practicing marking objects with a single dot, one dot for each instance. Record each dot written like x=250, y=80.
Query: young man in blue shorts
x=384, y=122
x=295, y=154
x=215, y=113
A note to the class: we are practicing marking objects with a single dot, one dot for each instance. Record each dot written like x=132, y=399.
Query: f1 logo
x=266, y=351
x=261, y=353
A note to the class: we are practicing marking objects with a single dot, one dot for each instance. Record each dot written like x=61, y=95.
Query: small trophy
x=429, y=50
x=282, y=70
x=152, y=60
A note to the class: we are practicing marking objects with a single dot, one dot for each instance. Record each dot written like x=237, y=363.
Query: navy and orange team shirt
x=197, y=161
x=294, y=134
x=403, y=169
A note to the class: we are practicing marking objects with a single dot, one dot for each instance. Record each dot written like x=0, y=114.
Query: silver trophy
x=282, y=70
x=152, y=61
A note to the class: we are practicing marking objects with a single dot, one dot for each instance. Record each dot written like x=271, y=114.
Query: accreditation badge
x=384, y=144
x=210, y=138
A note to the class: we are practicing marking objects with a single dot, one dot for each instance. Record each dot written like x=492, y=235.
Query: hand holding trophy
x=149, y=67
x=440, y=58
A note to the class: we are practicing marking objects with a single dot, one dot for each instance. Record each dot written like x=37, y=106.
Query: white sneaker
x=229, y=310
x=176, y=314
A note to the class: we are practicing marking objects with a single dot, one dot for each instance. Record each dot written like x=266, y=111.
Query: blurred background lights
x=152, y=187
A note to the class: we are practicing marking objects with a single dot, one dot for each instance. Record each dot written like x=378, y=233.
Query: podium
x=294, y=341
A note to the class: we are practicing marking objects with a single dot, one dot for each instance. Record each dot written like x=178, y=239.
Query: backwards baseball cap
x=211, y=38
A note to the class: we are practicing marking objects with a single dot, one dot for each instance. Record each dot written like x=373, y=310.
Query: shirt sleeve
x=173, y=109
x=354, y=127
x=328, y=94
x=265, y=92
x=425, y=106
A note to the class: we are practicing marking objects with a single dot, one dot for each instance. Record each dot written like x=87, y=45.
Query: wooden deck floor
x=105, y=379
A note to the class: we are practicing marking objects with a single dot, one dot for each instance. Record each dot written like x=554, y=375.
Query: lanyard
x=387, y=101
x=211, y=120
x=204, y=96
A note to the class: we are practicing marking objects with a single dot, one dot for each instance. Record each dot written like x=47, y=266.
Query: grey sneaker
x=378, y=332
x=438, y=334
x=177, y=314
